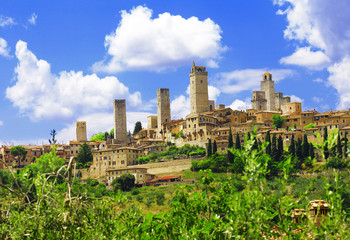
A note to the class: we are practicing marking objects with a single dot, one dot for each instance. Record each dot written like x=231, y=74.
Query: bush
x=125, y=182
x=135, y=191
x=335, y=162
x=160, y=198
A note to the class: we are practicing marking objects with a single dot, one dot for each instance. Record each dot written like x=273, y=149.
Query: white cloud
x=1, y=123
x=316, y=99
x=144, y=43
x=180, y=107
x=6, y=21
x=318, y=80
x=241, y=105
x=101, y=122
x=213, y=92
x=248, y=79
x=4, y=49
x=305, y=57
x=340, y=79
x=294, y=98
x=32, y=19
x=40, y=94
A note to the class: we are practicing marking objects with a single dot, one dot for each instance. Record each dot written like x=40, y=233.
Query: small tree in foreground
x=19, y=152
x=125, y=182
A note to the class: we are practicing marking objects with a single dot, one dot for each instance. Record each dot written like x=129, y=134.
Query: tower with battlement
x=163, y=108
x=199, y=89
x=120, y=130
x=268, y=86
x=81, y=131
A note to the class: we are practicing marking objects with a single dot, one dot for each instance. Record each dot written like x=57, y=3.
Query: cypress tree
x=345, y=145
x=274, y=147
x=280, y=147
x=298, y=151
x=238, y=142
x=325, y=147
x=209, y=148
x=305, y=147
x=230, y=139
x=248, y=136
x=255, y=144
x=291, y=149
x=339, y=147
x=215, y=147
x=311, y=151
x=268, y=140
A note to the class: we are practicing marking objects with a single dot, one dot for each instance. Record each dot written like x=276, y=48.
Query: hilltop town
x=207, y=120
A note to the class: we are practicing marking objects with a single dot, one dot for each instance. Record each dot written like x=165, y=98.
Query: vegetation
x=97, y=137
x=84, y=158
x=19, y=152
x=310, y=125
x=125, y=182
x=53, y=139
x=138, y=127
x=278, y=120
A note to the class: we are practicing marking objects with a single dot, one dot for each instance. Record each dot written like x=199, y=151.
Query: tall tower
x=163, y=108
x=199, y=89
x=81, y=131
x=268, y=86
x=119, y=110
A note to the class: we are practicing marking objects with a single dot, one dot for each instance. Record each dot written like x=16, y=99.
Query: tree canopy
x=138, y=127
x=125, y=182
x=84, y=157
x=19, y=152
x=278, y=120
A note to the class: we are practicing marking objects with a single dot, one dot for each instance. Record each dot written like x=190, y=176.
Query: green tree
x=238, y=142
x=53, y=139
x=268, y=140
x=215, y=147
x=274, y=147
x=111, y=133
x=298, y=150
x=279, y=148
x=125, y=182
x=97, y=137
x=230, y=139
x=311, y=151
x=291, y=148
x=138, y=127
x=84, y=156
x=339, y=147
x=345, y=145
x=278, y=120
x=325, y=143
x=209, y=148
x=230, y=156
x=19, y=152
x=305, y=147
x=310, y=125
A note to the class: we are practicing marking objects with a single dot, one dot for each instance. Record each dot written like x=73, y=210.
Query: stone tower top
x=198, y=69
x=267, y=76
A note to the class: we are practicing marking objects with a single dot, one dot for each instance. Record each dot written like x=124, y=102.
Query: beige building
x=291, y=108
x=163, y=109
x=119, y=109
x=152, y=121
x=81, y=131
x=140, y=174
x=199, y=89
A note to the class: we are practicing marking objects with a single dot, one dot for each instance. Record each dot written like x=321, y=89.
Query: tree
x=125, y=182
x=19, y=152
x=339, y=147
x=268, y=140
x=278, y=120
x=310, y=125
x=215, y=147
x=138, y=127
x=325, y=143
x=345, y=145
x=106, y=136
x=84, y=156
x=279, y=148
x=311, y=151
x=111, y=133
x=291, y=149
x=298, y=150
x=209, y=148
x=53, y=134
x=238, y=142
x=97, y=137
x=305, y=147
x=230, y=156
x=230, y=139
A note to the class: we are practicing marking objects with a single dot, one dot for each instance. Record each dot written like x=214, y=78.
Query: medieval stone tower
x=81, y=131
x=199, y=89
x=163, y=108
x=268, y=86
x=119, y=110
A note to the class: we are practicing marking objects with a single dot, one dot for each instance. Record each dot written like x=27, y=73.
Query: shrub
x=335, y=162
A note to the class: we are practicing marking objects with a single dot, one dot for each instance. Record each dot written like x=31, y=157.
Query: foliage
x=53, y=134
x=336, y=162
x=238, y=142
x=84, y=157
x=278, y=120
x=209, y=148
x=19, y=152
x=310, y=125
x=138, y=127
x=179, y=135
x=97, y=137
x=215, y=147
x=125, y=182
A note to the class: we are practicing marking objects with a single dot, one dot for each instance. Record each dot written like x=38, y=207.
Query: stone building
x=120, y=131
x=152, y=121
x=163, y=109
x=199, y=89
x=140, y=174
x=81, y=131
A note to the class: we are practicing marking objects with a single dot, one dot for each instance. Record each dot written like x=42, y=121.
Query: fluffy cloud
x=40, y=94
x=101, y=122
x=305, y=57
x=1, y=123
x=4, y=49
x=180, y=107
x=144, y=43
x=322, y=25
x=241, y=105
x=32, y=19
x=213, y=92
x=294, y=98
x=6, y=21
x=248, y=79
x=316, y=99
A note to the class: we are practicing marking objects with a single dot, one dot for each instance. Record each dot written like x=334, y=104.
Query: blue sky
x=63, y=61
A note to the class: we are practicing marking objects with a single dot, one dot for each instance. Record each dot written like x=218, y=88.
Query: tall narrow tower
x=268, y=86
x=119, y=120
x=199, y=89
x=163, y=108
x=81, y=131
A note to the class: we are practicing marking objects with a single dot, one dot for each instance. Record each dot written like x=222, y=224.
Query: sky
x=65, y=61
